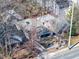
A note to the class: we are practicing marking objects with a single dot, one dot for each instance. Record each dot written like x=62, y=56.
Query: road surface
x=69, y=54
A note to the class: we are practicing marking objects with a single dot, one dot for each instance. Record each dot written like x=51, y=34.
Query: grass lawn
x=74, y=40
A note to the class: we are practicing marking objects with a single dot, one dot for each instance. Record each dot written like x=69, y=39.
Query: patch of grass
x=74, y=40
x=0, y=50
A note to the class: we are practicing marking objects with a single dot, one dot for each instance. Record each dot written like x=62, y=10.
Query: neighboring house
x=11, y=16
x=11, y=35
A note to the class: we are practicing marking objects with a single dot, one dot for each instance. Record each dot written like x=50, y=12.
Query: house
x=54, y=25
x=46, y=26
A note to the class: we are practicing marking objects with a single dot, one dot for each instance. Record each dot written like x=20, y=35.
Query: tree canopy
x=75, y=24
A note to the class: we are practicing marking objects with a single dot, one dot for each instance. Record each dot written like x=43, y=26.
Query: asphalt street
x=69, y=54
